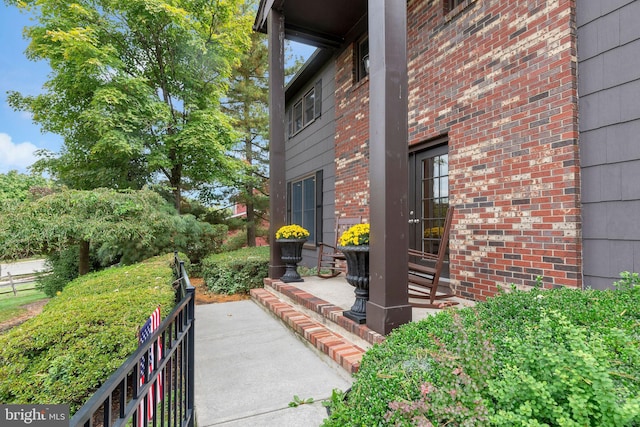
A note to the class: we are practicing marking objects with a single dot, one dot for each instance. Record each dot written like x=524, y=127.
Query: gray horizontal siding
x=609, y=107
x=313, y=149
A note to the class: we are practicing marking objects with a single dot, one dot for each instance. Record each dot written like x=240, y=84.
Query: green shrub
x=83, y=335
x=235, y=242
x=627, y=280
x=237, y=271
x=559, y=357
x=560, y=374
x=64, y=268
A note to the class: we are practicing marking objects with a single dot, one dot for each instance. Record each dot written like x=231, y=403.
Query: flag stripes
x=148, y=363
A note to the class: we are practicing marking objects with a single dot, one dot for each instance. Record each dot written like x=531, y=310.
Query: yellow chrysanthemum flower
x=355, y=236
x=292, y=231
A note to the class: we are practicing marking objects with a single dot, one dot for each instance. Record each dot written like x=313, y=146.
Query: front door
x=428, y=199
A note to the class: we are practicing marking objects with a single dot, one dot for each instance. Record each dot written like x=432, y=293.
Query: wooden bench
x=425, y=270
x=329, y=257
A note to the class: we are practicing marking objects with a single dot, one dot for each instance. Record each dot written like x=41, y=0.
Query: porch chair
x=329, y=257
x=424, y=280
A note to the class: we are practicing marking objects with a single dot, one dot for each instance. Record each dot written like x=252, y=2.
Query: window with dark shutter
x=302, y=204
x=306, y=110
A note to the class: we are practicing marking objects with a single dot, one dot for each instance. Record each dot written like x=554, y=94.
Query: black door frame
x=417, y=217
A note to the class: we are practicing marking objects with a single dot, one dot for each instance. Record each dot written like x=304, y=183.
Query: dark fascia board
x=312, y=38
x=260, y=23
x=307, y=72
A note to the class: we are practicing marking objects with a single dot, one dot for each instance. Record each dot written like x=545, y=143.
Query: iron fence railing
x=166, y=398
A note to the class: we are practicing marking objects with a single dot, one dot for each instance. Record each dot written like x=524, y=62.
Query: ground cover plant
x=557, y=357
x=83, y=334
x=236, y=272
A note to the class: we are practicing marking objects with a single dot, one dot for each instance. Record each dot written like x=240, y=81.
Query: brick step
x=333, y=344
x=324, y=312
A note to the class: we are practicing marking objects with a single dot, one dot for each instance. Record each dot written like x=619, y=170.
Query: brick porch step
x=331, y=343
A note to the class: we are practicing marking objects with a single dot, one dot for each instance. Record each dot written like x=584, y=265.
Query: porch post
x=277, y=178
x=388, y=306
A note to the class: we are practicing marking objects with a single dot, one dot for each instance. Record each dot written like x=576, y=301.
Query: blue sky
x=19, y=136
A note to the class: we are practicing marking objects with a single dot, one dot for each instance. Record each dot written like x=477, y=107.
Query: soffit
x=320, y=23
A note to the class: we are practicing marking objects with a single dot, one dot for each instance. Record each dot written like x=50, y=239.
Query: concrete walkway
x=249, y=367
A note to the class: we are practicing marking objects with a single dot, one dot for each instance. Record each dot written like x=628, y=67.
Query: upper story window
x=449, y=5
x=362, y=59
x=305, y=110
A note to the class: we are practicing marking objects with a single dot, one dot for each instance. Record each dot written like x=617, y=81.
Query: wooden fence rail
x=13, y=282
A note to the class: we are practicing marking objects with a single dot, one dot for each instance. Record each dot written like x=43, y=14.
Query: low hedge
x=541, y=358
x=236, y=271
x=83, y=335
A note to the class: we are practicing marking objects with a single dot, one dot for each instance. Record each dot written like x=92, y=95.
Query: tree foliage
x=135, y=88
x=16, y=187
x=247, y=103
x=73, y=217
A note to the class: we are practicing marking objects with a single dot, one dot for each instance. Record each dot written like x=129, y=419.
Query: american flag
x=150, y=326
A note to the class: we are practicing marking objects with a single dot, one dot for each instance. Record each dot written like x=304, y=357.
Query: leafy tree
x=247, y=102
x=16, y=186
x=61, y=220
x=135, y=88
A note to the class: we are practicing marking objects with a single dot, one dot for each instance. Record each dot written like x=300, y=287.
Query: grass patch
x=10, y=304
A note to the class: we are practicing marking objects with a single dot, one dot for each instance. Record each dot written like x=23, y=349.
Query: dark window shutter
x=288, y=202
x=319, y=204
x=318, y=95
x=289, y=122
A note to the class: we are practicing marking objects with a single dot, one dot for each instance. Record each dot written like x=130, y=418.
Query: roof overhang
x=324, y=24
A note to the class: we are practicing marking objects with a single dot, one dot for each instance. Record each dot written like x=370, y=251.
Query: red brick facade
x=498, y=78
x=352, y=140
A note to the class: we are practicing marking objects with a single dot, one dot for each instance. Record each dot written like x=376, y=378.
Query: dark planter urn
x=291, y=255
x=358, y=276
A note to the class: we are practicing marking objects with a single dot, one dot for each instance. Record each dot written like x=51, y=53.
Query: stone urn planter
x=357, y=258
x=291, y=238
x=291, y=254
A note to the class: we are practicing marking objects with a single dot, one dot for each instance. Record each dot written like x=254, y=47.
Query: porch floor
x=313, y=310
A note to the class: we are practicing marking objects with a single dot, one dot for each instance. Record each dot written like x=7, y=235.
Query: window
x=362, y=59
x=304, y=201
x=305, y=110
x=297, y=117
x=309, y=107
x=449, y=5
x=435, y=198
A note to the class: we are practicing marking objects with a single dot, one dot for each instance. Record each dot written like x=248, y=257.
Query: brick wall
x=352, y=140
x=499, y=78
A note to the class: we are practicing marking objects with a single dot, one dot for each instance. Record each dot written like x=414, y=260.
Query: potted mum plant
x=291, y=239
x=354, y=244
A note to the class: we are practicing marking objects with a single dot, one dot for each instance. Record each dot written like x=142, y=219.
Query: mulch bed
x=203, y=296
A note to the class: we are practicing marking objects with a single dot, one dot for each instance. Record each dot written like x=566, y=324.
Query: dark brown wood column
x=388, y=305
x=277, y=178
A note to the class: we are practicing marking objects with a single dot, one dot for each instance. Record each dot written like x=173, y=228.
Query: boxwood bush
x=83, y=335
x=236, y=271
x=542, y=358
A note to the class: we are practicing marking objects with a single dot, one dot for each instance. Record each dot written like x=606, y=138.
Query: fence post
x=191, y=291
x=13, y=285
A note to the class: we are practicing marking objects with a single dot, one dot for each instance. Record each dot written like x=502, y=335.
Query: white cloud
x=15, y=155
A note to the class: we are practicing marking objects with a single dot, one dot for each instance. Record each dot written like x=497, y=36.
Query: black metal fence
x=166, y=398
